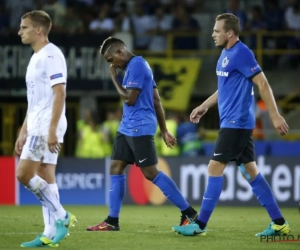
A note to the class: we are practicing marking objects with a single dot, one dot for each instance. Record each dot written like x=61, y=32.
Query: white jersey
x=46, y=68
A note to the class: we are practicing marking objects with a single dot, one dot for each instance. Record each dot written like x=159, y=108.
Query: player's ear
x=39, y=30
x=230, y=33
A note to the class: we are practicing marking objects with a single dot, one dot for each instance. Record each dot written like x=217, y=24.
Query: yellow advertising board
x=175, y=79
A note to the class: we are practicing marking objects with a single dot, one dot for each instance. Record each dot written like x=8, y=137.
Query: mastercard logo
x=143, y=191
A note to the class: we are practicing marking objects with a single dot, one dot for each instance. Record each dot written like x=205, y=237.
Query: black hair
x=108, y=42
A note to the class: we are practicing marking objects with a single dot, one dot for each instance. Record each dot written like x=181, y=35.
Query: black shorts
x=234, y=145
x=140, y=150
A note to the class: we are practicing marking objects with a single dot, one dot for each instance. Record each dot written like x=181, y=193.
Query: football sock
x=42, y=191
x=49, y=220
x=210, y=199
x=170, y=190
x=263, y=193
x=116, y=194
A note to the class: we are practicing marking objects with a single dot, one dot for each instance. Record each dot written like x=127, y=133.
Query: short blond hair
x=39, y=17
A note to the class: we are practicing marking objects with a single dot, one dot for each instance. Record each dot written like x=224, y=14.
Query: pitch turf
x=148, y=227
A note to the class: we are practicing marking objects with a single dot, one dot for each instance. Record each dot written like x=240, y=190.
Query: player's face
x=116, y=58
x=219, y=35
x=28, y=32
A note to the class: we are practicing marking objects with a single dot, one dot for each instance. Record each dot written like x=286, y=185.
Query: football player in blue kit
x=237, y=73
x=134, y=142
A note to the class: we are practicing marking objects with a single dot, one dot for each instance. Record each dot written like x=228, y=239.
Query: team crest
x=225, y=62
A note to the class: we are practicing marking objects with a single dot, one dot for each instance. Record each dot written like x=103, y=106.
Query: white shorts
x=36, y=149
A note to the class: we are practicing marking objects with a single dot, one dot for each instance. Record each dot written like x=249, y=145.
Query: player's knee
x=249, y=171
x=47, y=172
x=215, y=168
x=25, y=171
x=23, y=177
x=117, y=167
x=150, y=172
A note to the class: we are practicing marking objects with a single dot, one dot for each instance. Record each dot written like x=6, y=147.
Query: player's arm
x=248, y=66
x=266, y=93
x=128, y=95
x=211, y=101
x=159, y=111
x=58, y=105
x=23, y=130
x=54, y=65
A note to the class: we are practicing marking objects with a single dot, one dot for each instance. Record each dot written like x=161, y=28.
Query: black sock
x=201, y=224
x=190, y=212
x=279, y=221
x=112, y=221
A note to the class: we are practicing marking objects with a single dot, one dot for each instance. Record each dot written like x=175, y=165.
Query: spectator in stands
x=150, y=6
x=234, y=8
x=273, y=16
x=123, y=22
x=90, y=137
x=83, y=3
x=187, y=28
x=103, y=24
x=264, y=126
x=72, y=24
x=160, y=25
x=57, y=12
x=257, y=24
x=292, y=20
x=110, y=128
x=187, y=137
x=4, y=22
x=141, y=24
x=15, y=9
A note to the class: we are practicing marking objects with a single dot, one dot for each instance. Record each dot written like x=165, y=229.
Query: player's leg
x=228, y=147
x=263, y=192
x=47, y=172
x=121, y=156
x=145, y=157
x=34, y=151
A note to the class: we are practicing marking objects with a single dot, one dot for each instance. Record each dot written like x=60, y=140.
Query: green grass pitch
x=149, y=227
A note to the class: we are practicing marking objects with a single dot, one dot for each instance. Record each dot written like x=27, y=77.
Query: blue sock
x=210, y=198
x=171, y=191
x=116, y=194
x=263, y=193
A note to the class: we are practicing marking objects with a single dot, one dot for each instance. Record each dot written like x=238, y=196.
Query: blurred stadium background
x=175, y=37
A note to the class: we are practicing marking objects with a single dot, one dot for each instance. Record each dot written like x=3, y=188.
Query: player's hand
x=113, y=71
x=197, y=113
x=20, y=144
x=169, y=139
x=280, y=125
x=53, y=143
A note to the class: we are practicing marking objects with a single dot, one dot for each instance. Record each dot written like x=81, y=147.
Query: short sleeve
x=247, y=64
x=154, y=84
x=136, y=75
x=55, y=69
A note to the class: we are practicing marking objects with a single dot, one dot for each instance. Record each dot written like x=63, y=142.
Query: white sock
x=43, y=192
x=49, y=219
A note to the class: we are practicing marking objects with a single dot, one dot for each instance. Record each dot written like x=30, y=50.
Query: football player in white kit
x=44, y=127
